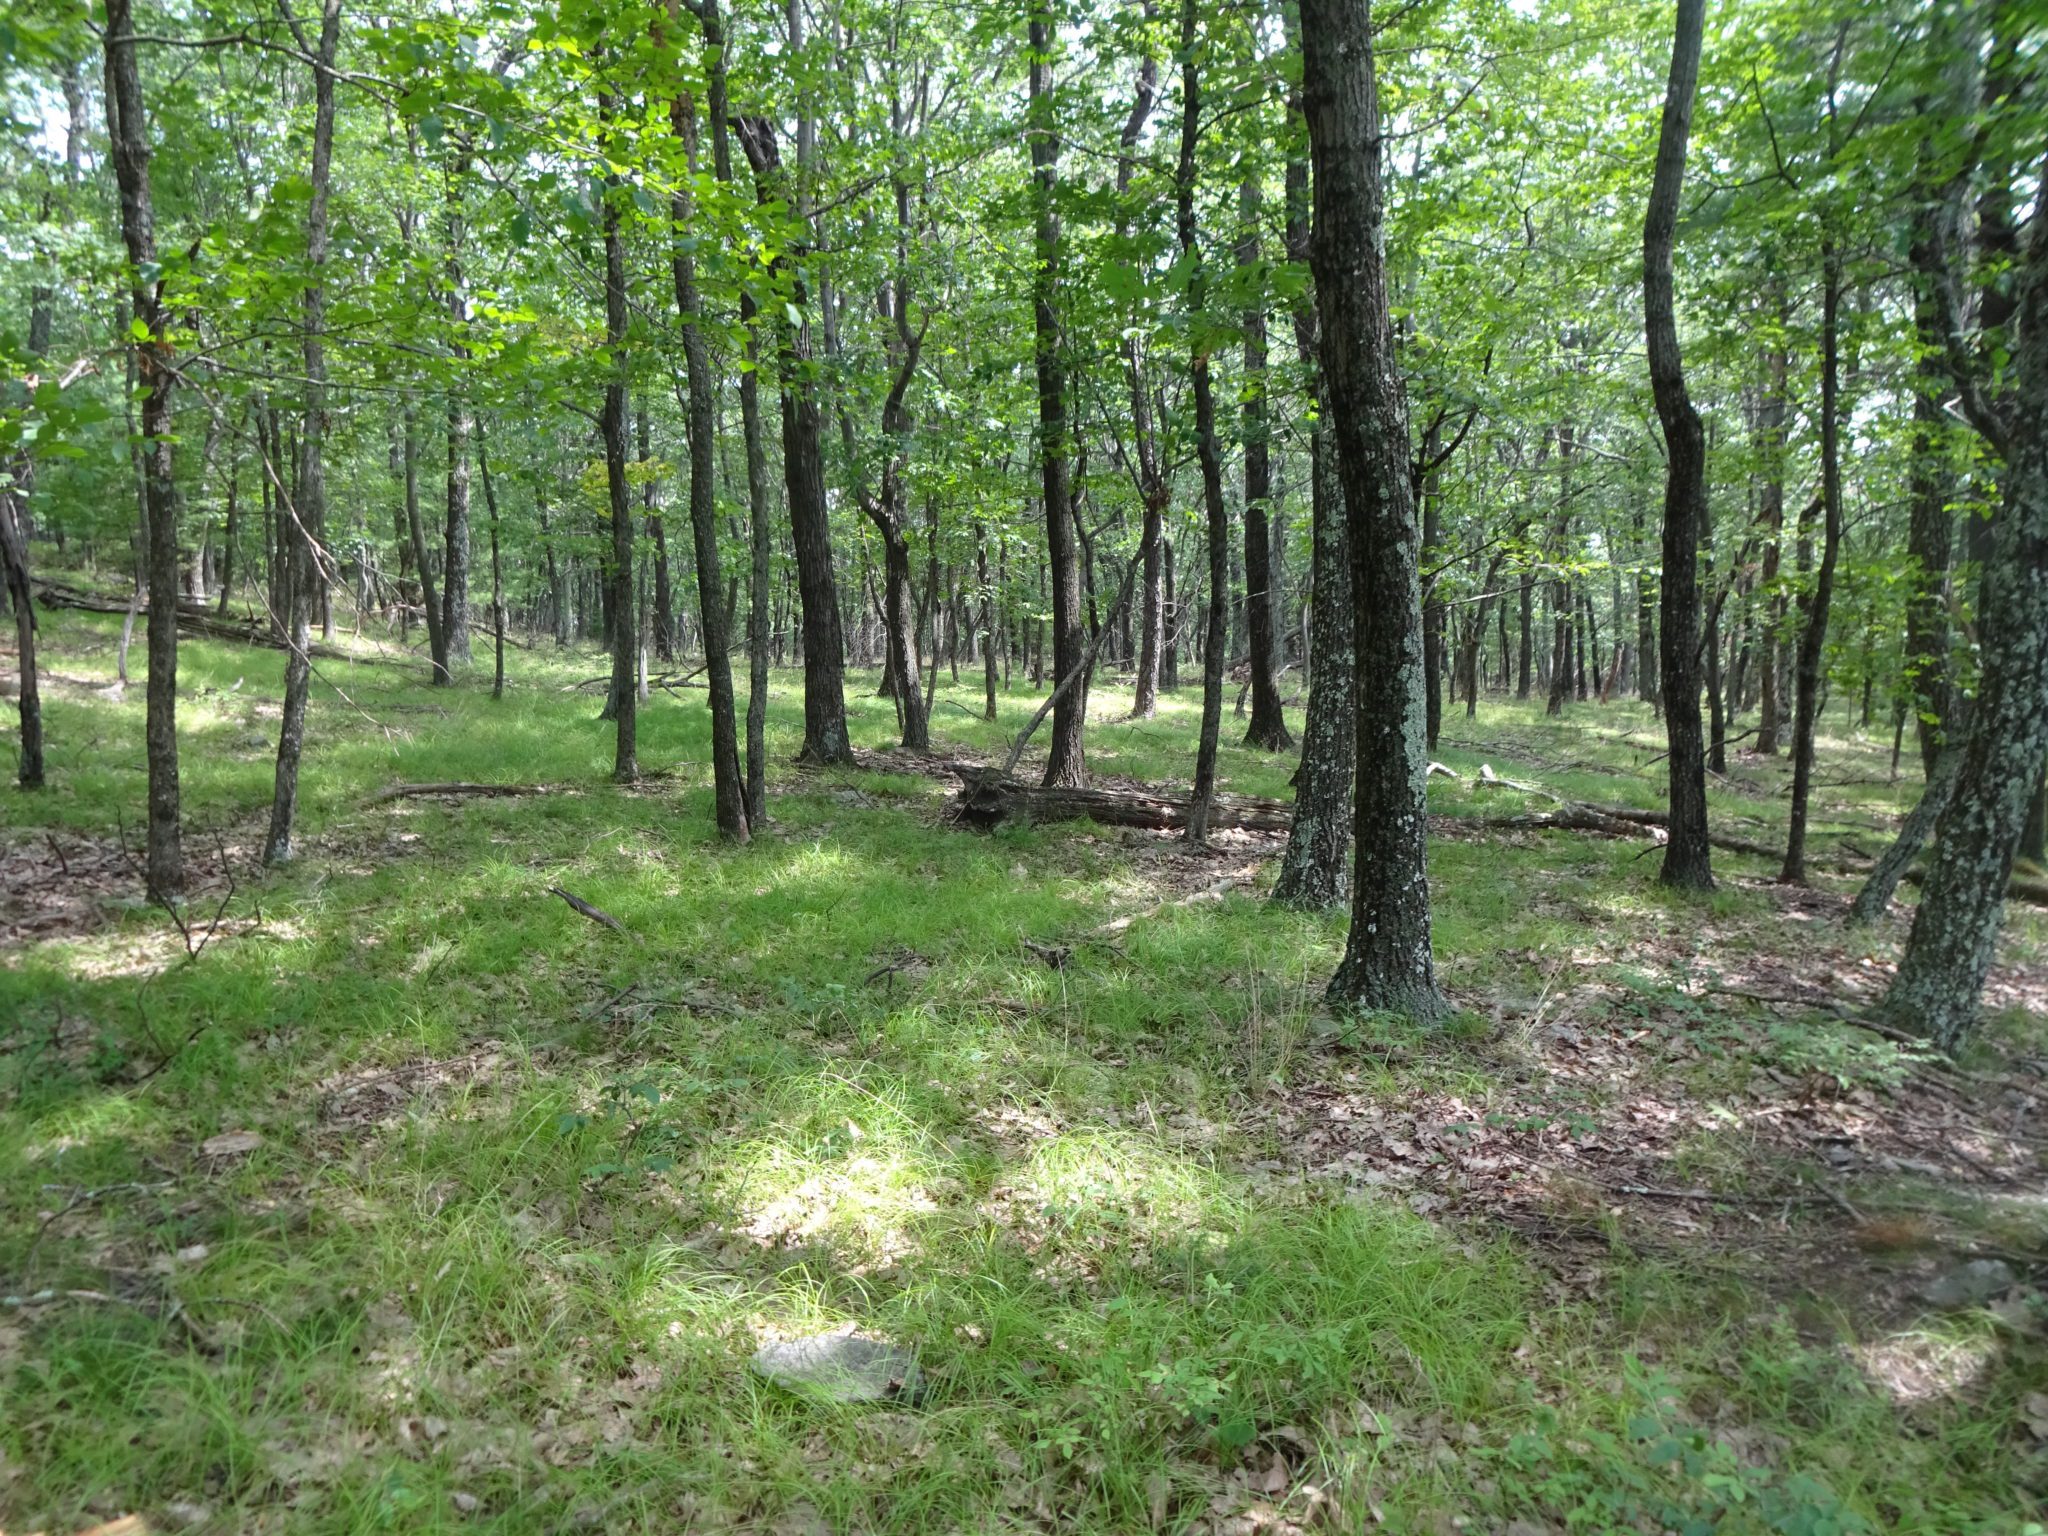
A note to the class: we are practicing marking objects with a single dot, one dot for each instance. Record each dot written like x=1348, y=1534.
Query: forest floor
x=388, y=1193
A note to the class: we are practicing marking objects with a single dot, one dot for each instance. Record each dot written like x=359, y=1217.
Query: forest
x=869, y=766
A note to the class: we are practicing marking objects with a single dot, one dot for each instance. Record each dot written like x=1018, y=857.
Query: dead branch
x=595, y=914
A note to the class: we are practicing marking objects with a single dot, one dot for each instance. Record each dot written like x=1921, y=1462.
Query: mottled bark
x=1770, y=435
x=1319, y=837
x=621, y=704
x=1955, y=930
x=1387, y=960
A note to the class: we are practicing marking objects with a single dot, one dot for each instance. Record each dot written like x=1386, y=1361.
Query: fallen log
x=408, y=791
x=192, y=619
x=988, y=798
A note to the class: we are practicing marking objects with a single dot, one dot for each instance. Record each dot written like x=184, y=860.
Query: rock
x=1969, y=1285
x=231, y=1144
x=841, y=1368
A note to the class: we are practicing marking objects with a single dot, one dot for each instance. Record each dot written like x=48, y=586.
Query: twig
x=595, y=914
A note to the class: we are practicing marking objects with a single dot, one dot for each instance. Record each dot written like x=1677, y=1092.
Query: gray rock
x=841, y=1368
x=1971, y=1284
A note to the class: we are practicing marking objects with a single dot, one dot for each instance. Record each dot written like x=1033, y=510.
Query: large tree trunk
x=1205, y=436
x=1387, y=960
x=308, y=509
x=803, y=472
x=1268, y=728
x=1955, y=931
x=156, y=373
x=1814, y=607
x=728, y=776
x=1066, y=763
x=1688, y=857
x=1312, y=869
x=621, y=704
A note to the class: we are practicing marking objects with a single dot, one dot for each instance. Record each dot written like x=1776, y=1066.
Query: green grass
x=529, y=1192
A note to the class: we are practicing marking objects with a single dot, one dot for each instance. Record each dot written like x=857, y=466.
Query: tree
x=1199, y=342
x=1687, y=856
x=1387, y=960
x=307, y=505
x=1955, y=931
x=156, y=376
x=1066, y=763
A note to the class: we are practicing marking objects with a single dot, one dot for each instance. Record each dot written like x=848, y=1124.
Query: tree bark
x=1770, y=432
x=308, y=506
x=1955, y=930
x=1312, y=869
x=1205, y=434
x=455, y=532
x=1387, y=961
x=1813, y=636
x=156, y=374
x=1066, y=762
x=728, y=776
x=803, y=471
x=621, y=704
x=1688, y=857
x=1268, y=728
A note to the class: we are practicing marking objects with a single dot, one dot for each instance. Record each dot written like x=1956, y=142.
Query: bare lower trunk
x=1688, y=861
x=1387, y=960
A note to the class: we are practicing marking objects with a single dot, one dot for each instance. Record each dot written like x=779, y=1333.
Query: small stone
x=186, y=1515
x=468, y=1503
x=1969, y=1285
x=231, y=1143
x=840, y=1367
x=195, y=1254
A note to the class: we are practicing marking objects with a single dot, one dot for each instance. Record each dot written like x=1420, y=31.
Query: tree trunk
x=803, y=471
x=308, y=507
x=483, y=464
x=621, y=706
x=1066, y=763
x=1205, y=435
x=156, y=372
x=1387, y=961
x=1688, y=857
x=1770, y=432
x=1955, y=930
x=1268, y=728
x=1312, y=869
x=1813, y=636
x=728, y=776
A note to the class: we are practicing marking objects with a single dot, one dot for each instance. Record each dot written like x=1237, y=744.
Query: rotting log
x=192, y=620
x=988, y=798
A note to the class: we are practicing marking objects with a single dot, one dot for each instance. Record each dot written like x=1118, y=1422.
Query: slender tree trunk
x=1771, y=515
x=620, y=706
x=1268, y=728
x=483, y=464
x=308, y=506
x=729, y=784
x=455, y=533
x=156, y=374
x=1387, y=960
x=1066, y=763
x=1688, y=860
x=1813, y=636
x=1205, y=435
